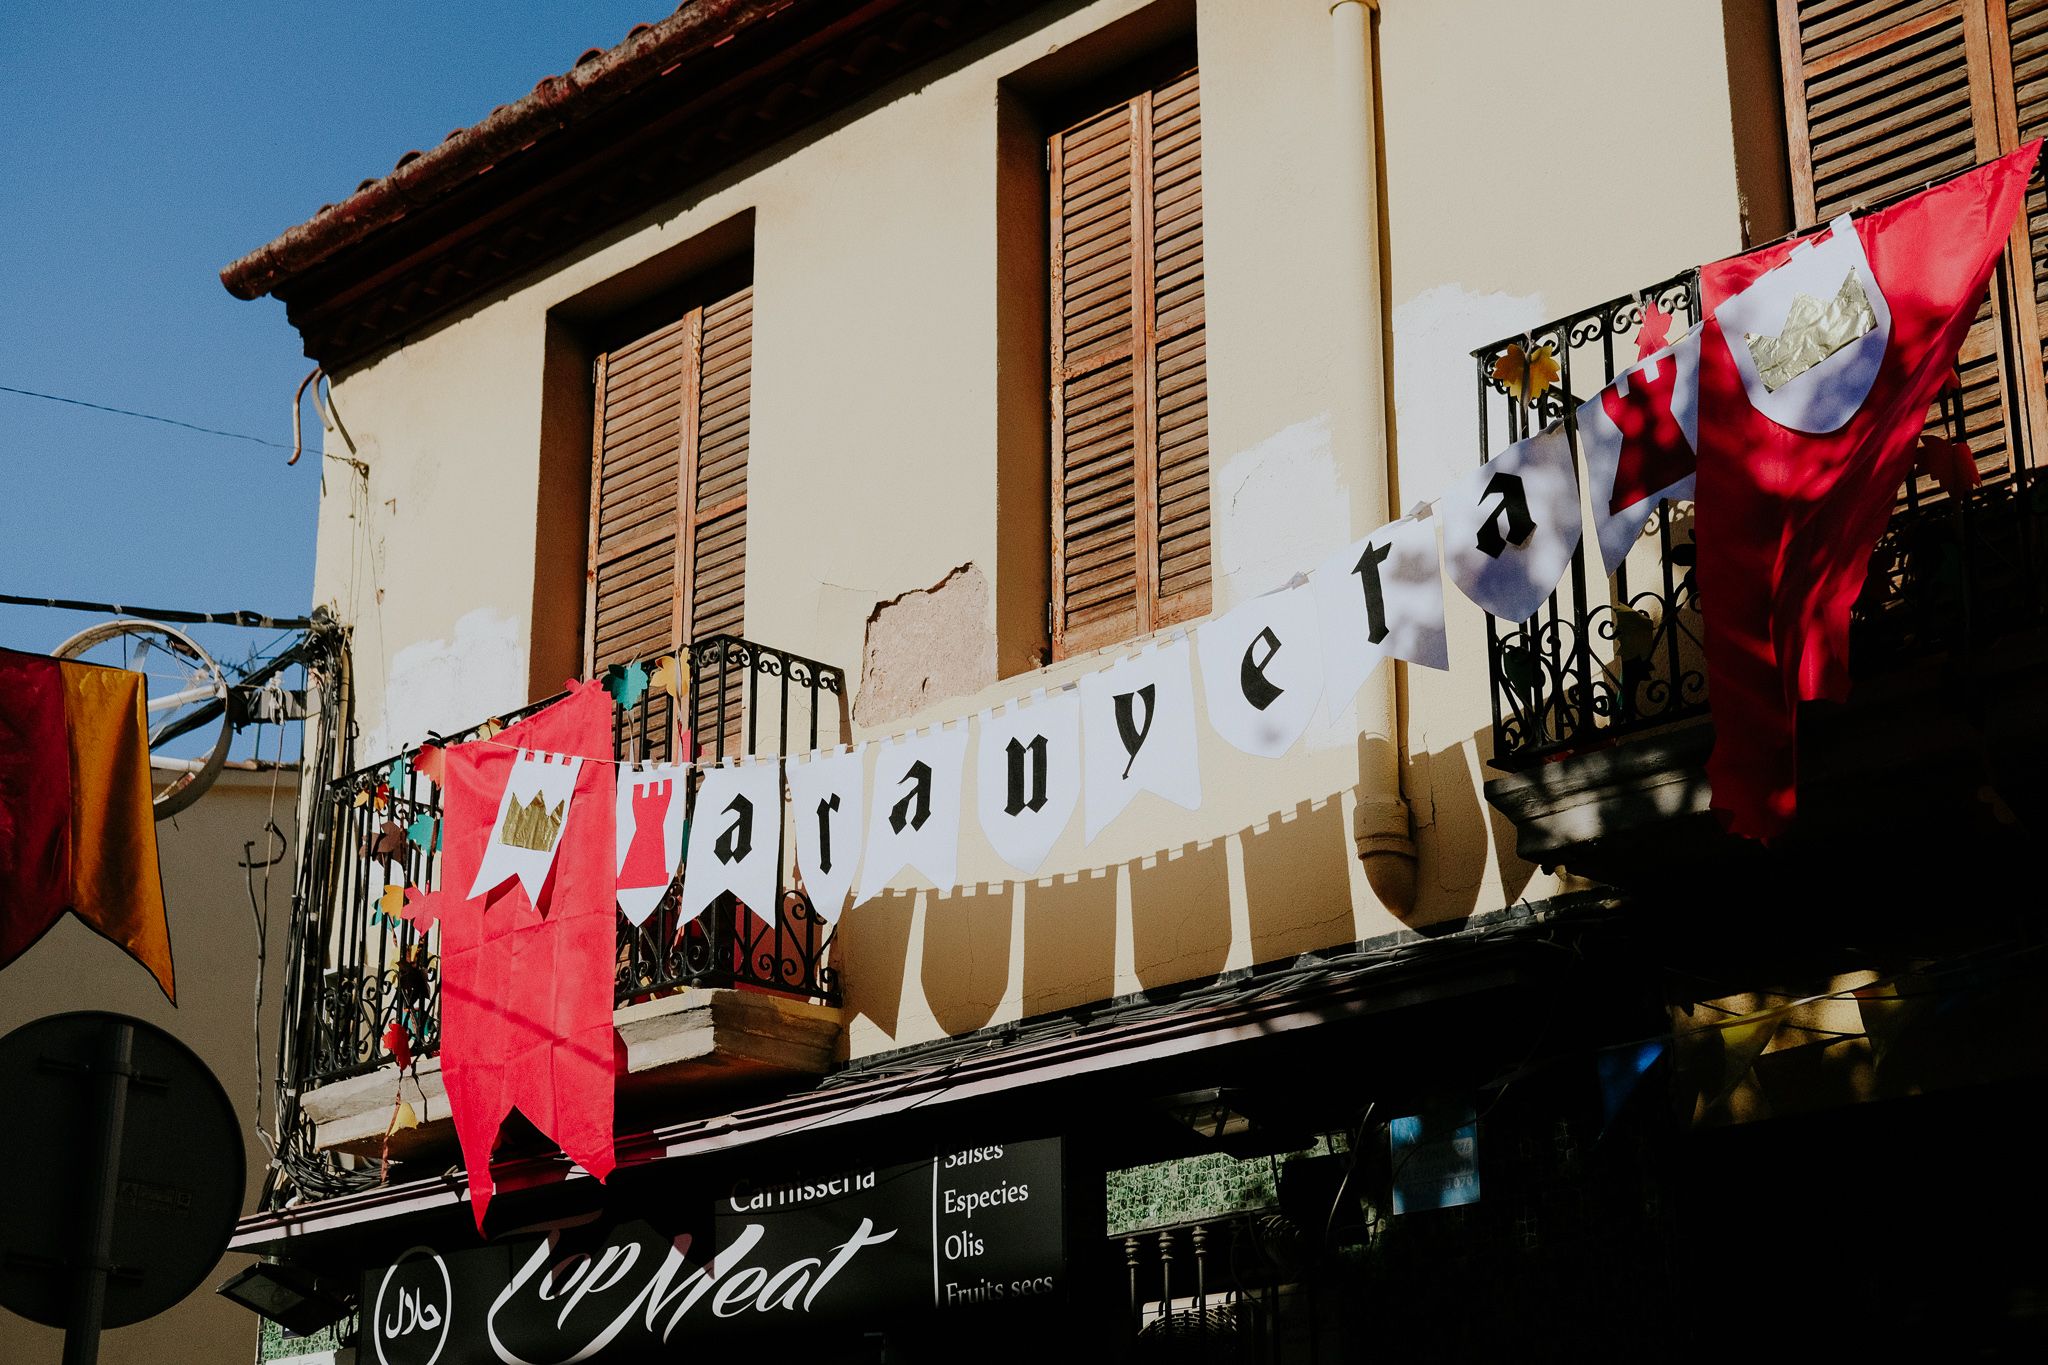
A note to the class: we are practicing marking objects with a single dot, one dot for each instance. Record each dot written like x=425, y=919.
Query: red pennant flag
x=1655, y=333
x=526, y=996
x=1789, y=510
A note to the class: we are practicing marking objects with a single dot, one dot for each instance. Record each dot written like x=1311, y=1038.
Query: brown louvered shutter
x=1884, y=96
x=669, y=489
x=717, y=552
x=2026, y=48
x=636, y=539
x=1130, y=436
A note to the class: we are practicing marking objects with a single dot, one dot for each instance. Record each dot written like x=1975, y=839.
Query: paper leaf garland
x=1380, y=597
x=1262, y=671
x=914, y=810
x=1949, y=463
x=1527, y=376
x=1138, y=721
x=422, y=909
x=424, y=832
x=428, y=763
x=399, y=1046
x=389, y=843
x=1510, y=526
x=668, y=676
x=627, y=683
x=827, y=800
x=1028, y=777
x=1655, y=333
x=735, y=838
x=533, y=818
x=652, y=803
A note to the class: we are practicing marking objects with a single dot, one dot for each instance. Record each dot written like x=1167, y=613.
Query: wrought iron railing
x=1233, y=1288
x=1605, y=658
x=363, y=968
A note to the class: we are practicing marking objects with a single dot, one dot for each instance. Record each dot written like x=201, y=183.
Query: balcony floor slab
x=680, y=1051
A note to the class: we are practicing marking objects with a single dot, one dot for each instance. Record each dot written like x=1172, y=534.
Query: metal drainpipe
x=1359, y=435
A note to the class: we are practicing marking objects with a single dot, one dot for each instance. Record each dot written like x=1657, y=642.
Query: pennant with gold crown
x=531, y=816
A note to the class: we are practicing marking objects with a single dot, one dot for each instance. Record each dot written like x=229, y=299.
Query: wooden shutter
x=2026, y=52
x=1884, y=96
x=636, y=540
x=668, y=522
x=717, y=552
x=1130, y=435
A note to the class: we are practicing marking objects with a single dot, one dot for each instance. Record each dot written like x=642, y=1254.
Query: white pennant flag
x=653, y=804
x=914, y=814
x=735, y=838
x=1380, y=598
x=1028, y=776
x=1262, y=671
x=532, y=815
x=1139, y=719
x=1510, y=526
x=825, y=797
x=1650, y=415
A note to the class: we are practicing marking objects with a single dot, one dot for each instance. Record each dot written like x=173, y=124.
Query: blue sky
x=142, y=147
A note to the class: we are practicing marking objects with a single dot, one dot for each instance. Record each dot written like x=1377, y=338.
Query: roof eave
x=420, y=179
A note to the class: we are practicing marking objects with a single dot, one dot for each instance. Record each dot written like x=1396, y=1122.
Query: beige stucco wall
x=1535, y=160
x=214, y=948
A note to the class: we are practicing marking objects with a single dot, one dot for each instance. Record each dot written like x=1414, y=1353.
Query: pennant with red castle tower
x=1637, y=436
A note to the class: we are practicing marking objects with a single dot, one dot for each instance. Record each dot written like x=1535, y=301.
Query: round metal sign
x=175, y=1183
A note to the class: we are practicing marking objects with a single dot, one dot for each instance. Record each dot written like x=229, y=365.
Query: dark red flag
x=1787, y=518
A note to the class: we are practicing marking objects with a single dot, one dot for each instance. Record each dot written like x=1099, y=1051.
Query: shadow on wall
x=1460, y=838
x=1286, y=884
x=1297, y=880
x=1180, y=913
x=966, y=959
x=869, y=946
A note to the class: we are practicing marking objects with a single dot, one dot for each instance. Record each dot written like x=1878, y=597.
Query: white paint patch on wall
x=1279, y=508
x=1436, y=418
x=451, y=684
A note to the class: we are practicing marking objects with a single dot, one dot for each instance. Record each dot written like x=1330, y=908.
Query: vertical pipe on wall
x=1359, y=432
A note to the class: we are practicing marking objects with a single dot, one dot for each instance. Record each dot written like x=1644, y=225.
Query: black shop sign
x=968, y=1227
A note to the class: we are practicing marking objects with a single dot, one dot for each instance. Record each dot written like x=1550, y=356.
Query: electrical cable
x=250, y=619
x=144, y=416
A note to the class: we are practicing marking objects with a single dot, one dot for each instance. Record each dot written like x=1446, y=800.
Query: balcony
x=1601, y=718
x=736, y=994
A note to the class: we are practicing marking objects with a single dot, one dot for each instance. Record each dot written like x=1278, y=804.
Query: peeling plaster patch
x=443, y=685
x=1279, y=507
x=1436, y=421
x=925, y=646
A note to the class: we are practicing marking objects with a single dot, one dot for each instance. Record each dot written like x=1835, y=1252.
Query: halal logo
x=409, y=1321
